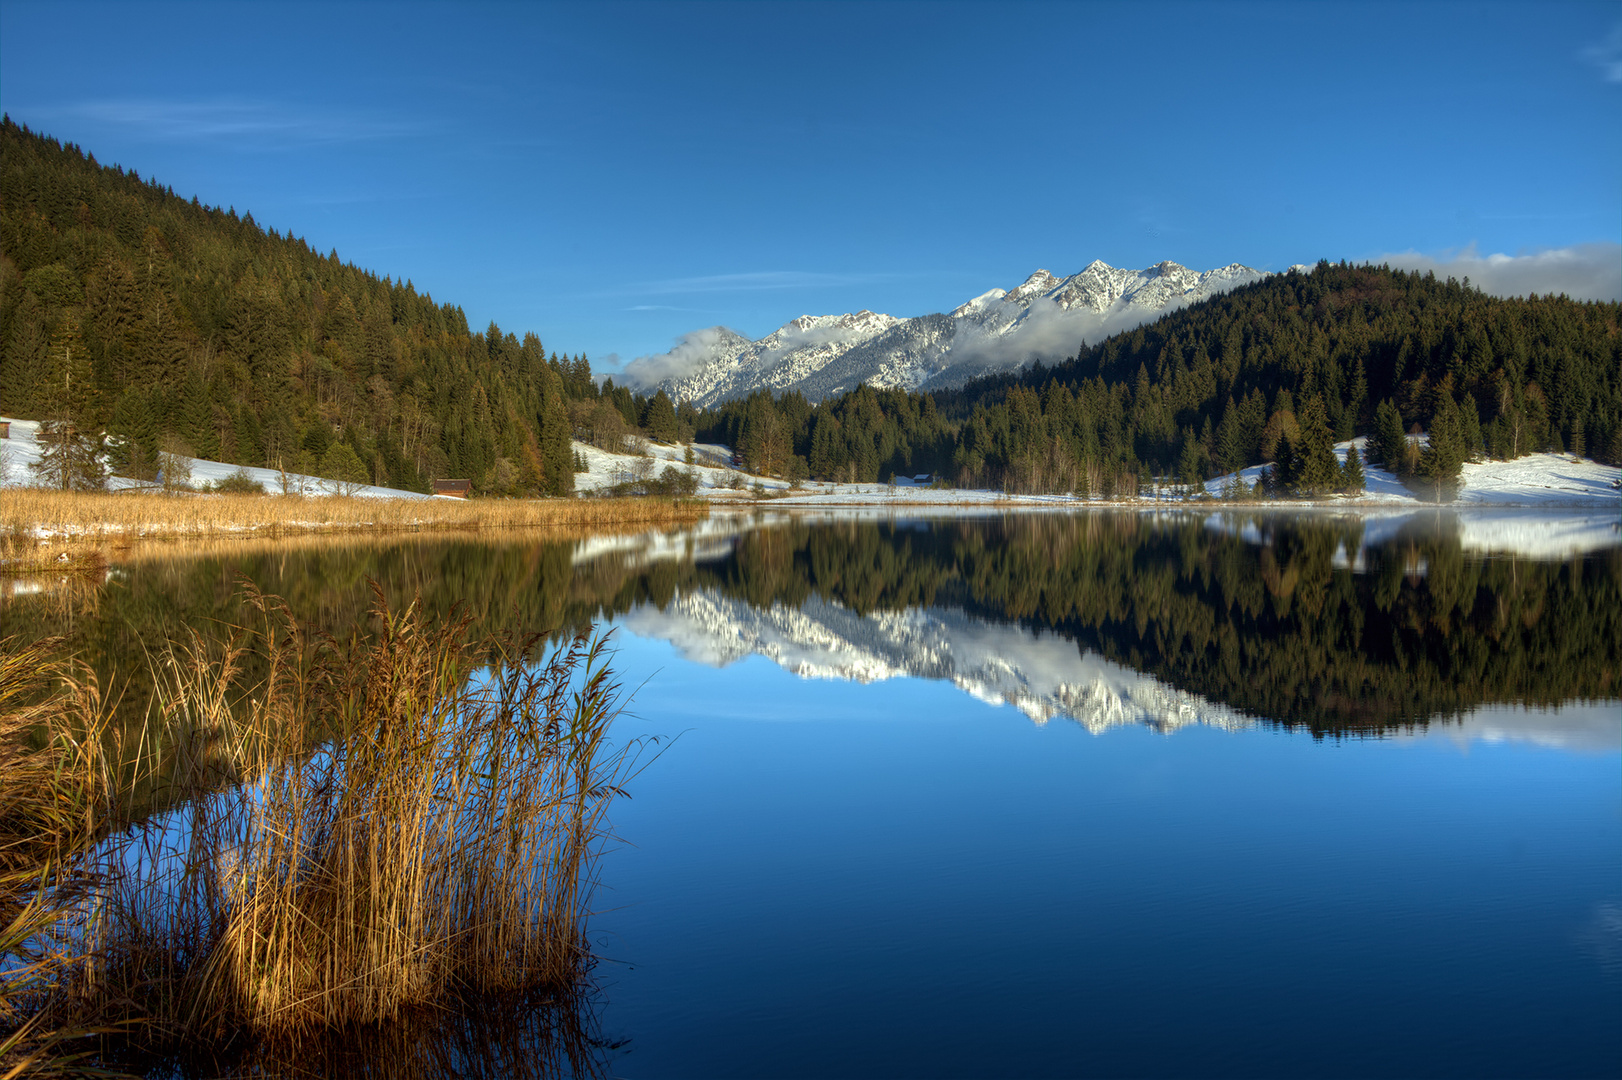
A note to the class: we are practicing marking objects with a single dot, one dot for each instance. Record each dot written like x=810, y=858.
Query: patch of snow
x=22, y=451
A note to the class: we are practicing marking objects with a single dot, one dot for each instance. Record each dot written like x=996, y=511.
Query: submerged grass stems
x=52, y=791
x=373, y=829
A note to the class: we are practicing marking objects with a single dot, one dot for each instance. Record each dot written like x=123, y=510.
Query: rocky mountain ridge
x=1043, y=318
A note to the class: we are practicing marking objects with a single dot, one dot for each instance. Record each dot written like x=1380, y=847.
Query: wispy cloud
x=759, y=281
x=241, y=120
x=1582, y=272
x=1607, y=55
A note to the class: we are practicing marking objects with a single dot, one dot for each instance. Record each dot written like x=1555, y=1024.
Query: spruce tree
x=1442, y=464
x=1315, y=468
x=1352, y=480
x=342, y=468
x=1470, y=428
x=1188, y=465
x=1388, y=440
x=659, y=419
x=556, y=446
x=133, y=451
x=71, y=441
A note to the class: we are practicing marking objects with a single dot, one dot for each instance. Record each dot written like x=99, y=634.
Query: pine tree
x=1441, y=465
x=556, y=447
x=1470, y=428
x=1387, y=443
x=1315, y=468
x=1188, y=465
x=71, y=442
x=1352, y=480
x=133, y=451
x=1230, y=453
x=342, y=468
x=659, y=419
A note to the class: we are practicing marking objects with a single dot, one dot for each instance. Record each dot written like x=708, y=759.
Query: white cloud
x=691, y=352
x=1607, y=55
x=1582, y=272
x=751, y=282
x=1051, y=334
x=227, y=118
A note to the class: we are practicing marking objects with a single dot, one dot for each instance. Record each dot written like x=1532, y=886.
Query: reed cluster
x=43, y=528
x=366, y=830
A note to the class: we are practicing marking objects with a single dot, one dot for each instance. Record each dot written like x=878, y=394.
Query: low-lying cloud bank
x=691, y=352
x=1583, y=272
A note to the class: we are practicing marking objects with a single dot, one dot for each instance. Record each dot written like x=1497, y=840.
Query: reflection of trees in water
x=518, y=1038
x=1262, y=614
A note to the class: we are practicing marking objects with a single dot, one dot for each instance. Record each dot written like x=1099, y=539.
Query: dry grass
x=51, y=794
x=370, y=832
x=42, y=529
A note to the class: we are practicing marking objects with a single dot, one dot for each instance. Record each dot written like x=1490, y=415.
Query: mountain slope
x=1044, y=318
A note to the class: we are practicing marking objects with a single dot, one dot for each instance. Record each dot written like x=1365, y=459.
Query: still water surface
x=1066, y=796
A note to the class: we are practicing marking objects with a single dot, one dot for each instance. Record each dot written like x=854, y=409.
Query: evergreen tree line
x=174, y=328
x=1281, y=369
x=160, y=324
x=1277, y=371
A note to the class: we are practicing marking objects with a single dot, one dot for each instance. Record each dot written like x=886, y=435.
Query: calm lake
x=1060, y=795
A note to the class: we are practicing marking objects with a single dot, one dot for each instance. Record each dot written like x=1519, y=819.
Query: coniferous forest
x=129, y=310
x=1276, y=371
x=164, y=322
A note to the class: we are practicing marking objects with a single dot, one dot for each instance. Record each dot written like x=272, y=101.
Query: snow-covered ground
x=1542, y=481
x=1535, y=480
x=22, y=450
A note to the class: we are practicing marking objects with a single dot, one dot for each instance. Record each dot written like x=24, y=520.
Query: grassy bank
x=375, y=833
x=43, y=529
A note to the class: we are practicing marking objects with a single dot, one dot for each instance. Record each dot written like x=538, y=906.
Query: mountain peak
x=1044, y=318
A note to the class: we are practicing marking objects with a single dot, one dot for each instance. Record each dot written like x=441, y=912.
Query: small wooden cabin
x=5, y=429
x=454, y=489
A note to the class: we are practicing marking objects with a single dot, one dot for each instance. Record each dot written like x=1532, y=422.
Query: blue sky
x=612, y=176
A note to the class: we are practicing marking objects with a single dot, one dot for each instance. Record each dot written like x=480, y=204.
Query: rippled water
x=1069, y=795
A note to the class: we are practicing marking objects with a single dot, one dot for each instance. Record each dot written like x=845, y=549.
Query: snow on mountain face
x=1044, y=318
x=1044, y=676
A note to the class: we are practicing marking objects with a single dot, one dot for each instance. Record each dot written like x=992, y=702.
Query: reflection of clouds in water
x=1601, y=938
x=1583, y=727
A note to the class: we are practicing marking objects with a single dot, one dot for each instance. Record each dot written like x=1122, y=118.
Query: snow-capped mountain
x=1045, y=318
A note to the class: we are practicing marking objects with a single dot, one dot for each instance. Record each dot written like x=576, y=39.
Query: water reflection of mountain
x=1040, y=674
x=1324, y=622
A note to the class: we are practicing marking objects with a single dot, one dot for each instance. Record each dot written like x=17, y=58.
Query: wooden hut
x=454, y=489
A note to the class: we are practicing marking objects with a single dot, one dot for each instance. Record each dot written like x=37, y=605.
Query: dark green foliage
x=133, y=446
x=659, y=418
x=71, y=440
x=1470, y=428
x=1313, y=469
x=342, y=466
x=1189, y=473
x=1541, y=371
x=1352, y=480
x=1442, y=461
x=250, y=345
x=1388, y=439
x=238, y=483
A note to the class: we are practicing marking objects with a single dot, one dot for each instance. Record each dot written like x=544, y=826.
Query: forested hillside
x=129, y=310
x=165, y=322
x=1274, y=371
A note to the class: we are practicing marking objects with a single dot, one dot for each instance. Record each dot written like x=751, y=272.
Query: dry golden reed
x=370, y=828
x=43, y=529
